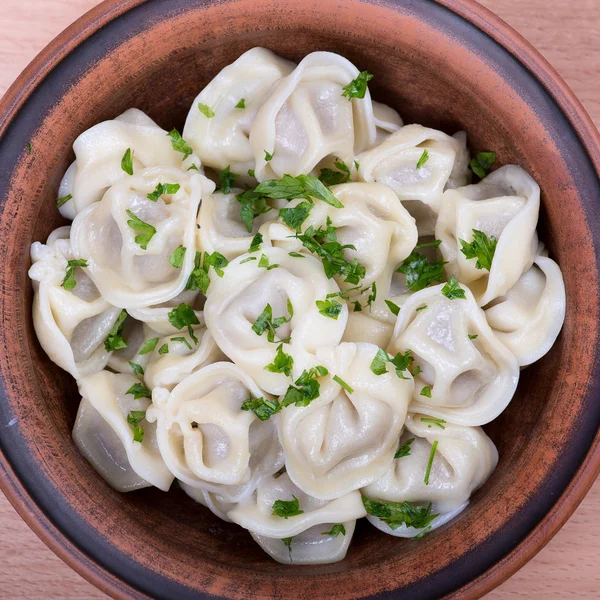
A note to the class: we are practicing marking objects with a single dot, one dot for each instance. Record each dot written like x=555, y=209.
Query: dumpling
x=136, y=335
x=104, y=432
x=306, y=119
x=464, y=374
x=272, y=295
x=215, y=503
x=221, y=228
x=529, y=317
x=207, y=440
x=129, y=240
x=71, y=324
x=310, y=519
x=504, y=205
x=100, y=149
x=174, y=358
x=221, y=140
x=343, y=440
x=396, y=163
x=464, y=458
x=387, y=121
x=372, y=220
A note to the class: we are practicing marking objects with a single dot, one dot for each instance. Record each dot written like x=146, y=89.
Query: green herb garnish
x=343, y=384
x=176, y=259
x=114, y=340
x=139, y=391
x=482, y=248
x=357, y=88
x=482, y=163
x=136, y=368
x=69, y=281
x=404, y=450
x=134, y=418
x=453, y=291
x=241, y=103
x=424, y=158
x=282, y=363
x=336, y=530
x=63, y=200
x=179, y=144
x=430, y=462
x=227, y=180
x=287, y=508
x=396, y=514
x=147, y=230
x=148, y=346
x=127, y=162
x=206, y=110
x=329, y=308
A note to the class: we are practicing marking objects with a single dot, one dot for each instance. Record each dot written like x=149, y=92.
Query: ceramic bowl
x=446, y=63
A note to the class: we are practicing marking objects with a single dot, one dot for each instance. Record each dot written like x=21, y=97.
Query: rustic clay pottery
x=445, y=63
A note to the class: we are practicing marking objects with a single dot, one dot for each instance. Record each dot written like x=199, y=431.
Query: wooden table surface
x=568, y=35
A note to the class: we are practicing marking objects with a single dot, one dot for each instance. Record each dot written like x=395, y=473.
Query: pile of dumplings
x=300, y=309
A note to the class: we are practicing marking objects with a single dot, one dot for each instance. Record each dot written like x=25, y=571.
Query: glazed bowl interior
x=435, y=68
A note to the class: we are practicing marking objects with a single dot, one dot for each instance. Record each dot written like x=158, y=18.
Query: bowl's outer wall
x=434, y=67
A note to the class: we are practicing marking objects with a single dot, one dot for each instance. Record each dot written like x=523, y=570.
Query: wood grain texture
x=570, y=40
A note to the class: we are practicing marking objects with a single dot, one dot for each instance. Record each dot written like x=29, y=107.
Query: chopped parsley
x=404, y=450
x=148, y=346
x=282, y=363
x=307, y=390
x=256, y=242
x=482, y=163
x=396, y=514
x=438, y=422
x=163, y=188
x=179, y=144
x=287, y=508
x=336, y=530
x=139, y=391
x=421, y=308
x=127, y=162
x=482, y=248
x=329, y=308
x=343, y=384
x=263, y=263
x=182, y=340
x=251, y=172
x=266, y=322
x=164, y=349
x=287, y=542
x=263, y=409
x=473, y=336
x=402, y=362
x=226, y=180
x=296, y=255
x=114, y=340
x=136, y=368
x=372, y=296
x=331, y=177
x=134, y=418
x=434, y=244
x=63, y=200
x=147, y=230
x=453, y=291
x=394, y=308
x=241, y=103
x=199, y=279
x=426, y=391
x=183, y=316
x=301, y=186
x=357, y=88
x=176, y=259
x=247, y=259
x=206, y=110
x=420, y=272
x=268, y=156
x=294, y=217
x=69, y=281
x=430, y=462
x=424, y=158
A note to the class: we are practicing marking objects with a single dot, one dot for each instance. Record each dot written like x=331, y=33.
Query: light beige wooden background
x=568, y=34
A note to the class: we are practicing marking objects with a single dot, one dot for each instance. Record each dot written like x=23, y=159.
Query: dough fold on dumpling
x=465, y=374
x=106, y=439
x=344, y=439
x=504, y=205
x=207, y=440
x=306, y=119
x=71, y=325
x=221, y=140
x=100, y=149
x=529, y=317
x=464, y=459
x=239, y=299
x=129, y=239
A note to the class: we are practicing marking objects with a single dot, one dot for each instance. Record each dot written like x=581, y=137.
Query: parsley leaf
x=251, y=172
x=287, y=508
x=438, y=422
x=343, y=384
x=394, y=308
x=182, y=340
x=241, y=103
x=163, y=188
x=372, y=296
x=329, y=308
x=127, y=162
x=263, y=263
x=396, y=514
x=63, y=200
x=331, y=177
x=136, y=368
x=227, y=180
x=215, y=260
x=69, y=281
x=404, y=450
x=176, y=259
x=294, y=217
x=296, y=255
x=148, y=346
x=182, y=316
x=420, y=272
x=301, y=186
x=147, y=230
x=139, y=391
x=114, y=340
x=268, y=156
x=206, y=110
x=179, y=144
x=402, y=362
x=199, y=279
x=282, y=363
x=308, y=388
x=357, y=88
x=482, y=163
x=134, y=418
x=424, y=158
x=164, y=349
x=336, y=530
x=434, y=244
x=255, y=244
x=263, y=409
x=426, y=391
x=247, y=259
x=482, y=248
x=473, y=336
x=453, y=291
x=430, y=462
x=252, y=205
x=287, y=542
x=265, y=322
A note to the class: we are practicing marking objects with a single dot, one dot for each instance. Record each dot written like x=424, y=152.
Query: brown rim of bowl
x=482, y=18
